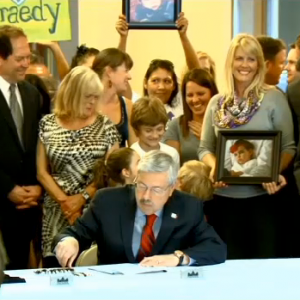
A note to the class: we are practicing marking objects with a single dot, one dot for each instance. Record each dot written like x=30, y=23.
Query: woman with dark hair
x=160, y=79
x=113, y=65
x=118, y=169
x=84, y=56
x=183, y=133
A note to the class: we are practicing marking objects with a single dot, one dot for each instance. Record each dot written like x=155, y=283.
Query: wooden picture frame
x=163, y=16
x=248, y=157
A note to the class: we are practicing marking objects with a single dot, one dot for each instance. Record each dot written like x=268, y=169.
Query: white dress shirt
x=162, y=147
x=4, y=87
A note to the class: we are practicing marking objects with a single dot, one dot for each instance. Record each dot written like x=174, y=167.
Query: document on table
x=126, y=269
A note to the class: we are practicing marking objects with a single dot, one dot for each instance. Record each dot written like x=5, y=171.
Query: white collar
x=4, y=85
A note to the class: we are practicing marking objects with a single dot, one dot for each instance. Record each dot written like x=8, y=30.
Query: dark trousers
x=18, y=228
x=265, y=226
x=247, y=226
x=288, y=221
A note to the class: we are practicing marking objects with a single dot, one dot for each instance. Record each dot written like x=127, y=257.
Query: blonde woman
x=207, y=63
x=70, y=142
x=244, y=216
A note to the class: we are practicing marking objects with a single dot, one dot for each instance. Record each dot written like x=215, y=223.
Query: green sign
x=42, y=20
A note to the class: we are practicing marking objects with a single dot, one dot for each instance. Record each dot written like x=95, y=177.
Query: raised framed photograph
x=248, y=157
x=151, y=14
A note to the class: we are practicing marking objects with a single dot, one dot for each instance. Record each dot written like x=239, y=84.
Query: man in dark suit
x=150, y=223
x=275, y=56
x=3, y=260
x=19, y=118
x=293, y=94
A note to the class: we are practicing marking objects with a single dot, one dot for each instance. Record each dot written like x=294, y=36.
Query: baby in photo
x=244, y=158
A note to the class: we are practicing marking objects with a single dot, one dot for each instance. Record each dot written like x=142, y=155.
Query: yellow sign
x=42, y=20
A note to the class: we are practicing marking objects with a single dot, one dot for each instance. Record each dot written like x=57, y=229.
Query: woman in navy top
x=113, y=65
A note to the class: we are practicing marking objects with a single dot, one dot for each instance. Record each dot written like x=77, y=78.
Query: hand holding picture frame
x=248, y=157
x=151, y=14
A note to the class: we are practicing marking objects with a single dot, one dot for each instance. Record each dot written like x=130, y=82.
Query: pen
x=152, y=272
x=104, y=272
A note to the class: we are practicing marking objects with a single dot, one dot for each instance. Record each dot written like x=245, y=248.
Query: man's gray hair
x=156, y=161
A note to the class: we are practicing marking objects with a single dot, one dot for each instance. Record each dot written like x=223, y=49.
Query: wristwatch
x=180, y=255
x=86, y=195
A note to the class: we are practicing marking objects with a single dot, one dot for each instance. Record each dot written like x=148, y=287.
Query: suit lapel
x=127, y=224
x=5, y=111
x=170, y=216
x=26, y=115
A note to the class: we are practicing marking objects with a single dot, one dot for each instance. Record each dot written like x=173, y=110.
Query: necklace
x=234, y=112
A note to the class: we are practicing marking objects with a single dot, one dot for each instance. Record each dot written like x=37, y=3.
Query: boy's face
x=150, y=136
x=243, y=155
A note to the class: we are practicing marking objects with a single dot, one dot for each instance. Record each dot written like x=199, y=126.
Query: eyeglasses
x=156, y=190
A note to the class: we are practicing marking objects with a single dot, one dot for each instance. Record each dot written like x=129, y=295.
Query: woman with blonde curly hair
x=71, y=140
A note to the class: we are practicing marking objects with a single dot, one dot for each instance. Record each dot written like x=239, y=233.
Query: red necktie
x=148, y=238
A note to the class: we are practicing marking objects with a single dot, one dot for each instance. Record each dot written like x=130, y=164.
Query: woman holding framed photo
x=160, y=78
x=245, y=215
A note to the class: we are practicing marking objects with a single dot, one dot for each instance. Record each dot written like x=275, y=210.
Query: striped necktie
x=16, y=111
x=148, y=238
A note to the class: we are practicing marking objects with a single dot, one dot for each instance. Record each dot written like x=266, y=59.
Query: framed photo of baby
x=248, y=157
x=151, y=14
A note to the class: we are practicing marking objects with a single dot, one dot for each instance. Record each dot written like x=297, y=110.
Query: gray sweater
x=273, y=114
x=188, y=145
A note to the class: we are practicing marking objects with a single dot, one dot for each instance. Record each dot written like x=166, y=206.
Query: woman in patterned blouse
x=71, y=140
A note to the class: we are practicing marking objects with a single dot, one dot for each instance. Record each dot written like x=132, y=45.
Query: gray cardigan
x=273, y=114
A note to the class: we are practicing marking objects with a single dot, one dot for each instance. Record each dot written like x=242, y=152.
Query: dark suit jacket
x=110, y=221
x=293, y=94
x=18, y=165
